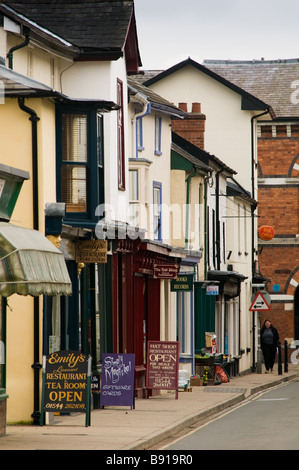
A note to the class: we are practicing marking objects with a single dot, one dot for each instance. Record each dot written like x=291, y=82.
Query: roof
x=94, y=27
x=157, y=102
x=272, y=81
x=249, y=101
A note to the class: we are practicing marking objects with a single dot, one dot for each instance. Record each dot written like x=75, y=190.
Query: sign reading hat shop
x=91, y=251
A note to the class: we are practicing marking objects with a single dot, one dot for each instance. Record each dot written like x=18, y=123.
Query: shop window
x=185, y=322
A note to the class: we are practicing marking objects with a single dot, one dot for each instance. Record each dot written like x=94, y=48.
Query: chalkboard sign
x=117, y=380
x=162, y=365
x=66, y=382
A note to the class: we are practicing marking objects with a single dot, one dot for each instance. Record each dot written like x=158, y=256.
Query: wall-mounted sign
x=266, y=232
x=91, y=251
x=117, y=380
x=66, y=382
x=165, y=271
x=184, y=282
x=162, y=365
x=212, y=290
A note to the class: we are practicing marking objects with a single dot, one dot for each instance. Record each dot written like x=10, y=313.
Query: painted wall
x=227, y=128
x=16, y=151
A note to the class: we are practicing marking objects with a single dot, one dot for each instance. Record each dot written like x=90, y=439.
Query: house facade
x=229, y=111
x=78, y=169
x=276, y=82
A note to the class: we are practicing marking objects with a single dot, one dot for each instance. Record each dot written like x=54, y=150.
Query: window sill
x=158, y=153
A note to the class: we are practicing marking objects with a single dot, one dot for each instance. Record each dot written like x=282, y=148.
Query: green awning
x=30, y=264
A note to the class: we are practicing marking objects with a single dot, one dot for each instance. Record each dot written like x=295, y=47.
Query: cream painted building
x=230, y=134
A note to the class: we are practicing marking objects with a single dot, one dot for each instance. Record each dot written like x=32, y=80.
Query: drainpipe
x=36, y=366
x=195, y=172
x=218, y=219
x=253, y=227
x=15, y=48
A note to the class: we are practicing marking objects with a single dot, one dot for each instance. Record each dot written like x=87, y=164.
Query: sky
x=170, y=31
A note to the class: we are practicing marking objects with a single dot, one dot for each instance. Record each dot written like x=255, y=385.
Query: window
x=80, y=162
x=185, y=321
x=120, y=137
x=139, y=135
x=158, y=128
x=157, y=199
x=74, y=162
x=133, y=197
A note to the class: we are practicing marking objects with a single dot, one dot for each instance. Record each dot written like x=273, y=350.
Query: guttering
x=15, y=48
x=36, y=366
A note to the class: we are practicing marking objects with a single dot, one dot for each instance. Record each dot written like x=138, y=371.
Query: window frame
x=158, y=236
x=121, y=169
x=94, y=167
x=158, y=135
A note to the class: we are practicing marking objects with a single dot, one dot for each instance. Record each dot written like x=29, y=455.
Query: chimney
x=192, y=127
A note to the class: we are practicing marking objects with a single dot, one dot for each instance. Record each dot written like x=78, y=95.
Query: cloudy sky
x=173, y=30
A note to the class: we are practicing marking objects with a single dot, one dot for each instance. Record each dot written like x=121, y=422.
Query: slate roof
x=158, y=102
x=89, y=25
x=272, y=81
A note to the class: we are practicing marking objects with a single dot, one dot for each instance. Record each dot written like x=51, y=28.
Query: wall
x=278, y=155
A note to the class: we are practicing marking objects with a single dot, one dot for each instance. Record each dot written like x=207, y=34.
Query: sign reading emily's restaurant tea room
x=66, y=382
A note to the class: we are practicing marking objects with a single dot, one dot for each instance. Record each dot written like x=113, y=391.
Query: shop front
x=141, y=275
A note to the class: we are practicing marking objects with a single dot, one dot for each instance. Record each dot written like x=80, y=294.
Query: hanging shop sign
x=266, y=232
x=184, y=282
x=66, y=382
x=91, y=251
x=165, y=271
x=162, y=365
x=117, y=380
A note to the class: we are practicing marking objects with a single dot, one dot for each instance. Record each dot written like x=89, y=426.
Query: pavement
x=150, y=424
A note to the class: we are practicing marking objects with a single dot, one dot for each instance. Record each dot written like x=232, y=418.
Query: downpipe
x=36, y=366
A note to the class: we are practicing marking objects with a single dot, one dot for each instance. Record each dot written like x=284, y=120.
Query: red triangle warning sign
x=259, y=303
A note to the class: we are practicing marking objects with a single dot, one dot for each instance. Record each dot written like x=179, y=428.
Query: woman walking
x=269, y=343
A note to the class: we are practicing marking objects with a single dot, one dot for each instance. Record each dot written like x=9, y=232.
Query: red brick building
x=276, y=83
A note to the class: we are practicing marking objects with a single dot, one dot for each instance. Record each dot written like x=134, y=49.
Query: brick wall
x=278, y=159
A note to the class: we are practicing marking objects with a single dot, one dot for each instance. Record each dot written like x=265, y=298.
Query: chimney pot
x=183, y=107
x=196, y=107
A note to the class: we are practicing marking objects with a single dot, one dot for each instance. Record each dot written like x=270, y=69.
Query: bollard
x=279, y=360
x=286, y=367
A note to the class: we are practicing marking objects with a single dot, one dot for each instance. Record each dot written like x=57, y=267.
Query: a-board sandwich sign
x=66, y=382
x=117, y=380
x=162, y=365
